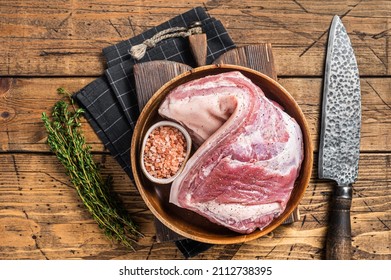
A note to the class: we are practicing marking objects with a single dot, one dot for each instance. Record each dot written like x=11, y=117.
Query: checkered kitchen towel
x=110, y=101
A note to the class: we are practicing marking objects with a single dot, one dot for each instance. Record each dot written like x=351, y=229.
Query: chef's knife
x=340, y=136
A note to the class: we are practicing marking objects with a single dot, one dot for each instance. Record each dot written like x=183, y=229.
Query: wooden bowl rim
x=307, y=164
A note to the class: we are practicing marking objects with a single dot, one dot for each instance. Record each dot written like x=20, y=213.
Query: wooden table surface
x=48, y=44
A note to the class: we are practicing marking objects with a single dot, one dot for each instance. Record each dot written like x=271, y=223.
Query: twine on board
x=138, y=51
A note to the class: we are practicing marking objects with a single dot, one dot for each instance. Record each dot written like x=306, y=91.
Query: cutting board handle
x=198, y=47
x=339, y=244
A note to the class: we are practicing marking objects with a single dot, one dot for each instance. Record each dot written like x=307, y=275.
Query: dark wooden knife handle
x=339, y=244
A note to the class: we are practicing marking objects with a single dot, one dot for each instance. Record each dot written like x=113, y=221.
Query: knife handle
x=339, y=244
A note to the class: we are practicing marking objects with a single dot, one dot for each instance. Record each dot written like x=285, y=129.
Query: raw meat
x=249, y=156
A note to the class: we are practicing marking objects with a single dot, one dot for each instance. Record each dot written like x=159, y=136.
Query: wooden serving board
x=150, y=76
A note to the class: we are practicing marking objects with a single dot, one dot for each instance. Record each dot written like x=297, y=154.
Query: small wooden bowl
x=188, y=223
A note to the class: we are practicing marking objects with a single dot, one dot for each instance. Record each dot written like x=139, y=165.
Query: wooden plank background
x=65, y=38
x=48, y=44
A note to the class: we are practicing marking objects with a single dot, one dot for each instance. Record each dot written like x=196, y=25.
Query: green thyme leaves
x=67, y=141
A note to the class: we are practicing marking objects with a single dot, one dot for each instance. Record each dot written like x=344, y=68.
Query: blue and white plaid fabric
x=111, y=100
x=111, y=103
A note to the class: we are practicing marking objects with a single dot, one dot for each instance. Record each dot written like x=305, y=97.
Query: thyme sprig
x=67, y=141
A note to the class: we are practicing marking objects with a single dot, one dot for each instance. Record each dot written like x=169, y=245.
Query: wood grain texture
x=66, y=37
x=22, y=101
x=150, y=76
x=199, y=48
x=258, y=57
x=42, y=217
x=48, y=44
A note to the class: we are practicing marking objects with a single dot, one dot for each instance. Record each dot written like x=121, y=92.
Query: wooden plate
x=188, y=223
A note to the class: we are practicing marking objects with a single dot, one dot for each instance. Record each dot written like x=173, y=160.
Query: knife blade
x=339, y=145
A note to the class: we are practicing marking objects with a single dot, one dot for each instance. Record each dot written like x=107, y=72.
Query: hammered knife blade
x=340, y=136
